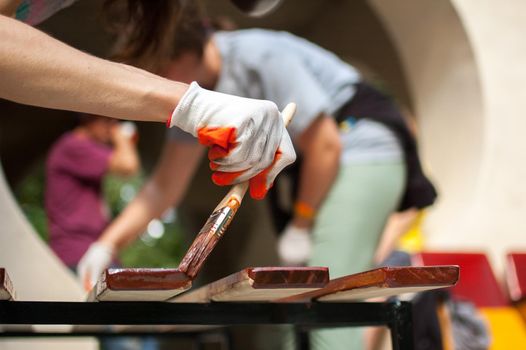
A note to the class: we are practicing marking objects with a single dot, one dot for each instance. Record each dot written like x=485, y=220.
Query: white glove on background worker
x=294, y=245
x=97, y=258
x=246, y=137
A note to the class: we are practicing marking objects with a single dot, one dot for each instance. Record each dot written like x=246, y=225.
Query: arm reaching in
x=124, y=160
x=321, y=148
x=39, y=70
x=243, y=134
x=397, y=224
x=165, y=188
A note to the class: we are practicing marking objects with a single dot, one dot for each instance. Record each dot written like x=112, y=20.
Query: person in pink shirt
x=76, y=166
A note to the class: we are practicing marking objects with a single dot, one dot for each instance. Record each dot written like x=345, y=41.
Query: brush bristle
x=206, y=240
x=198, y=252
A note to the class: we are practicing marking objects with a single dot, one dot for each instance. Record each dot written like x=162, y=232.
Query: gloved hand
x=97, y=258
x=246, y=137
x=294, y=245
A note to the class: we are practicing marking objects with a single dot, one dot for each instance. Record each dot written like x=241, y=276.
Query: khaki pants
x=347, y=230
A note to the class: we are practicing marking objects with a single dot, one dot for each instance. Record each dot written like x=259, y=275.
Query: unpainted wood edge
x=207, y=292
x=7, y=285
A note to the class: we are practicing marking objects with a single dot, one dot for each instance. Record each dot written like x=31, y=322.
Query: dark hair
x=153, y=32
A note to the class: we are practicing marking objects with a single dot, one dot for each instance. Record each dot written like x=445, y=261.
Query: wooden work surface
x=381, y=282
x=139, y=285
x=260, y=284
x=283, y=284
x=6, y=287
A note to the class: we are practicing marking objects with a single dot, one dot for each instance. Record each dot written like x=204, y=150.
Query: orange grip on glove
x=221, y=141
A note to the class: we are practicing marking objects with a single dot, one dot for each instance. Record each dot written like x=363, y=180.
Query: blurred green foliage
x=30, y=196
x=147, y=251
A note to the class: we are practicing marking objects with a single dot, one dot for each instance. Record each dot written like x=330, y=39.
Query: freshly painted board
x=6, y=287
x=381, y=282
x=139, y=285
x=260, y=284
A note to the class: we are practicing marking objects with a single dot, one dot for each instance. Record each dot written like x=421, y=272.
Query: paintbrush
x=220, y=219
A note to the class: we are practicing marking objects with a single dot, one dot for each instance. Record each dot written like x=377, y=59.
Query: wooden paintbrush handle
x=237, y=192
x=288, y=113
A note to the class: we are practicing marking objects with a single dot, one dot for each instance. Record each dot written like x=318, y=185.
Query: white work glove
x=97, y=258
x=129, y=130
x=294, y=246
x=247, y=137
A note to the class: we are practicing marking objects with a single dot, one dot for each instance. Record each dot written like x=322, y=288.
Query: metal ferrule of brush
x=219, y=221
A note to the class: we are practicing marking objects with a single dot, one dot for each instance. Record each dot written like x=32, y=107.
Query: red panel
x=477, y=282
x=516, y=275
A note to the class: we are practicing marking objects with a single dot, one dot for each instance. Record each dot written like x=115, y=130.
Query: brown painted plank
x=382, y=282
x=139, y=285
x=7, y=291
x=260, y=284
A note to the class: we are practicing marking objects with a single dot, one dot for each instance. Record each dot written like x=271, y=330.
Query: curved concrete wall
x=444, y=85
x=496, y=33
x=35, y=271
x=464, y=61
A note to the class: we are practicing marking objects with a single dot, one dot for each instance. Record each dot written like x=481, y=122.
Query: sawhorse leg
x=401, y=326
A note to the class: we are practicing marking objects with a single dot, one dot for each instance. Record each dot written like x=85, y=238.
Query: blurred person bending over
x=74, y=202
x=351, y=137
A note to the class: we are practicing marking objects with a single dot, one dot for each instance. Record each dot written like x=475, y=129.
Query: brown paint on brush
x=208, y=238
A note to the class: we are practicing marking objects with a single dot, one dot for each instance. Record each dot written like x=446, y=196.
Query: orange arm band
x=304, y=210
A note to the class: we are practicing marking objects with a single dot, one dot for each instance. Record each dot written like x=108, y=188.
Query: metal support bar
x=401, y=326
x=396, y=315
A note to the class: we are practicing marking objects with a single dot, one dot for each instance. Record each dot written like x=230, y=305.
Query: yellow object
x=413, y=240
x=507, y=327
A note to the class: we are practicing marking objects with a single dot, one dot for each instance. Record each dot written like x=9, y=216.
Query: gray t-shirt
x=283, y=68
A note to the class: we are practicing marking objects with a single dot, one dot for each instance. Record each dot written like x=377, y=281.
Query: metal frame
x=395, y=315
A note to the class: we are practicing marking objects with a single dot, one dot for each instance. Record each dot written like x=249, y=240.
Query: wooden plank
x=260, y=284
x=7, y=291
x=381, y=282
x=139, y=285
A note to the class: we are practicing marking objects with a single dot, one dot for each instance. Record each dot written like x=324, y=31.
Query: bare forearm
x=321, y=159
x=148, y=204
x=165, y=188
x=39, y=70
x=124, y=160
x=317, y=175
x=396, y=226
